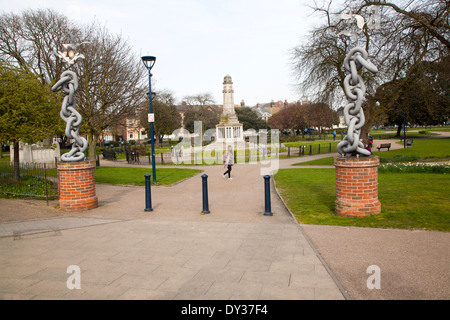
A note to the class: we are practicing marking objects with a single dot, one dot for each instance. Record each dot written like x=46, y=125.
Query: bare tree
x=432, y=16
x=295, y=116
x=419, y=32
x=321, y=115
x=111, y=78
x=111, y=83
x=29, y=40
x=167, y=118
x=201, y=99
x=166, y=96
x=397, y=47
x=301, y=116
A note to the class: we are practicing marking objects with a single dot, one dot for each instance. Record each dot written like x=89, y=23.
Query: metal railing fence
x=37, y=180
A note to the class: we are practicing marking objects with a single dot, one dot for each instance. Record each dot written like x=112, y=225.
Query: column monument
x=229, y=130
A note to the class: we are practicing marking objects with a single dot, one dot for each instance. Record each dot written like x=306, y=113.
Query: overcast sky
x=198, y=42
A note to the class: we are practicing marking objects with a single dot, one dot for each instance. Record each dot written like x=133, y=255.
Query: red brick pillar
x=357, y=186
x=77, y=186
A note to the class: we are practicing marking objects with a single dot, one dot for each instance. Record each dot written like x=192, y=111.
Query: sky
x=197, y=42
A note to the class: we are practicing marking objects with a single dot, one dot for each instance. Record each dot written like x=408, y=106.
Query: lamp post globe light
x=149, y=62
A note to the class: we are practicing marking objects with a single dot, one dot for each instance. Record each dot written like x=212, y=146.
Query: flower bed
x=416, y=167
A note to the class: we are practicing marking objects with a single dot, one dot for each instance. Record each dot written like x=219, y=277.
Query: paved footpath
x=235, y=252
x=174, y=252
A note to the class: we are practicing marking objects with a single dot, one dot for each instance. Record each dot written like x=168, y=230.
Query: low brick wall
x=357, y=186
x=77, y=186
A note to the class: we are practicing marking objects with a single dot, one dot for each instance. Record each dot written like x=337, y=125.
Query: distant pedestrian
x=334, y=135
x=228, y=162
x=368, y=148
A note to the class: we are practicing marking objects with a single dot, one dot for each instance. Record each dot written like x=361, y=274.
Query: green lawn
x=423, y=148
x=409, y=134
x=319, y=162
x=408, y=200
x=135, y=176
x=438, y=148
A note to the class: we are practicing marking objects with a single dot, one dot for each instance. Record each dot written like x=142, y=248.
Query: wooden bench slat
x=384, y=145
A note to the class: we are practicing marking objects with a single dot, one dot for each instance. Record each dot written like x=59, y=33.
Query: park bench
x=384, y=145
x=109, y=155
x=409, y=142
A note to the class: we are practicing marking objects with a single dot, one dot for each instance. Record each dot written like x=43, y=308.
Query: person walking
x=228, y=162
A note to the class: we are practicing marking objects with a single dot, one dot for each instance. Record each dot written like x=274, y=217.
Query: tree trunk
x=16, y=161
x=92, y=142
x=365, y=133
x=399, y=130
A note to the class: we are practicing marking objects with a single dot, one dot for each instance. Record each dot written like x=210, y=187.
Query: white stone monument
x=36, y=154
x=229, y=130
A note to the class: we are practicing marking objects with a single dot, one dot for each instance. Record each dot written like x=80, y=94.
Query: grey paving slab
x=235, y=252
x=166, y=269
x=18, y=229
x=413, y=263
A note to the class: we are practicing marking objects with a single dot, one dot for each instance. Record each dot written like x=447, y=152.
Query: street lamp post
x=149, y=61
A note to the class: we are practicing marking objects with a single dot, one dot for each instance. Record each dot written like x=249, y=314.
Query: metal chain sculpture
x=354, y=87
x=69, y=84
x=355, y=90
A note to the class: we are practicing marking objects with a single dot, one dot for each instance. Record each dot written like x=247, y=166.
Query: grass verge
x=438, y=148
x=329, y=161
x=135, y=176
x=423, y=148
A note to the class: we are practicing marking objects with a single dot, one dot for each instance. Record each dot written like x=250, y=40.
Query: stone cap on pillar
x=365, y=162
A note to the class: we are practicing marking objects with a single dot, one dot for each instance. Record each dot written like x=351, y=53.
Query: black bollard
x=148, y=194
x=268, y=210
x=205, y=193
